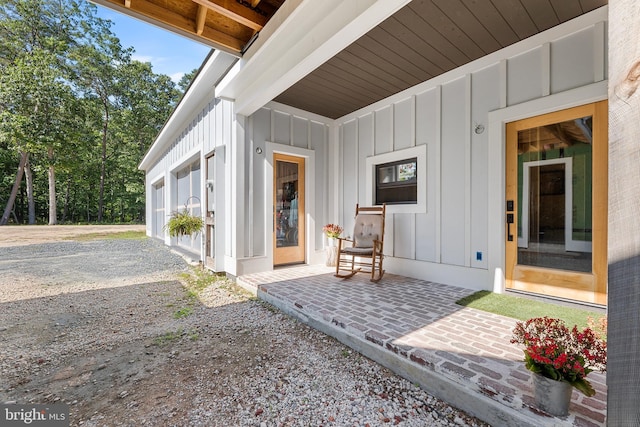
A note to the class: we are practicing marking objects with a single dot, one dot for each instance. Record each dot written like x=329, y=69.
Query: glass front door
x=289, y=210
x=556, y=204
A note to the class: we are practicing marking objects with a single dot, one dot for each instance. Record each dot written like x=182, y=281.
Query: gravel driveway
x=126, y=333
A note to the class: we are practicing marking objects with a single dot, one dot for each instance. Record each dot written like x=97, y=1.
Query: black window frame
x=390, y=188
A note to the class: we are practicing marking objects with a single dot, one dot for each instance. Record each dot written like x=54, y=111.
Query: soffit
x=422, y=40
x=227, y=25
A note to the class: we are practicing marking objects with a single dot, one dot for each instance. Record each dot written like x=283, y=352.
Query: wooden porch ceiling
x=228, y=25
x=420, y=41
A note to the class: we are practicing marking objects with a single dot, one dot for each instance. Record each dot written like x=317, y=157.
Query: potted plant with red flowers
x=560, y=359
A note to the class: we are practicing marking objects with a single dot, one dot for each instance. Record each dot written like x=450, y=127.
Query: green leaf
x=584, y=386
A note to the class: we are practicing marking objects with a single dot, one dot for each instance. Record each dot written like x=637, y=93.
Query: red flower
x=560, y=353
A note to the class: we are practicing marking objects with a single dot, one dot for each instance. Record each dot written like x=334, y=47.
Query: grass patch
x=182, y=313
x=174, y=336
x=524, y=308
x=119, y=235
x=199, y=279
x=168, y=337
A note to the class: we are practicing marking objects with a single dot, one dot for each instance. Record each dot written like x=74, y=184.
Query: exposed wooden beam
x=172, y=19
x=200, y=19
x=236, y=11
x=254, y=3
x=127, y=4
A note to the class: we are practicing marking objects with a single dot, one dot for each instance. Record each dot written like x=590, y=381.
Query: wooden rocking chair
x=364, y=251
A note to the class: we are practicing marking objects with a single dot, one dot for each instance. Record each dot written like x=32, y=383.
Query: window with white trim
x=399, y=179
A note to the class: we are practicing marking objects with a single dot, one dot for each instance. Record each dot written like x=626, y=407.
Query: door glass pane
x=286, y=204
x=554, y=195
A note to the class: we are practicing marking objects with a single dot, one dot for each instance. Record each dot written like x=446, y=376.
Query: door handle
x=509, y=222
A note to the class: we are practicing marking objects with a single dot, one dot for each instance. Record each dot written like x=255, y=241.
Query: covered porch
x=414, y=328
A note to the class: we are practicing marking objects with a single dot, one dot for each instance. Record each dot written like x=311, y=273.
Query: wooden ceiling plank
x=255, y=3
x=493, y=21
x=383, y=63
x=515, y=14
x=201, y=19
x=318, y=102
x=410, y=26
x=459, y=16
x=448, y=29
x=223, y=39
x=309, y=99
x=542, y=13
x=350, y=81
x=310, y=91
x=400, y=59
x=566, y=9
x=368, y=71
x=182, y=23
x=401, y=54
x=589, y=5
x=340, y=87
x=235, y=11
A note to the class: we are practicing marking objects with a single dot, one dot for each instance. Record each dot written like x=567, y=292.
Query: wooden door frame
x=291, y=255
x=589, y=287
x=312, y=256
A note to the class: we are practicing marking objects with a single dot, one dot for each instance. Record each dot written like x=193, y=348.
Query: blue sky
x=167, y=52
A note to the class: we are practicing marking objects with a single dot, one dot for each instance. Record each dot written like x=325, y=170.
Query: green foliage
x=75, y=101
x=183, y=223
x=182, y=313
x=168, y=337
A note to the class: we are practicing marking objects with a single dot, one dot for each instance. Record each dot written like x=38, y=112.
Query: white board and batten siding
x=282, y=129
x=448, y=240
x=209, y=131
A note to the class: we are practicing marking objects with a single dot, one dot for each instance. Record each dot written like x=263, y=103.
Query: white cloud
x=176, y=76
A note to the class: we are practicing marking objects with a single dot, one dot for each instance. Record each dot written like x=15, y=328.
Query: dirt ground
x=120, y=346
x=19, y=235
x=127, y=334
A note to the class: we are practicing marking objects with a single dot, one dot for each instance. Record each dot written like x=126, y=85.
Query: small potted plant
x=332, y=231
x=560, y=359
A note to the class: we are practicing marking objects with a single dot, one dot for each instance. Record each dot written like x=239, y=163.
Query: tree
x=98, y=70
x=35, y=38
x=185, y=80
x=33, y=98
x=76, y=114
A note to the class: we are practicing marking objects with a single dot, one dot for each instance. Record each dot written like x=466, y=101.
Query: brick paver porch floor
x=414, y=328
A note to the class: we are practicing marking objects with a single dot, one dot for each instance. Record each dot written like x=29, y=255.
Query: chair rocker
x=363, y=252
